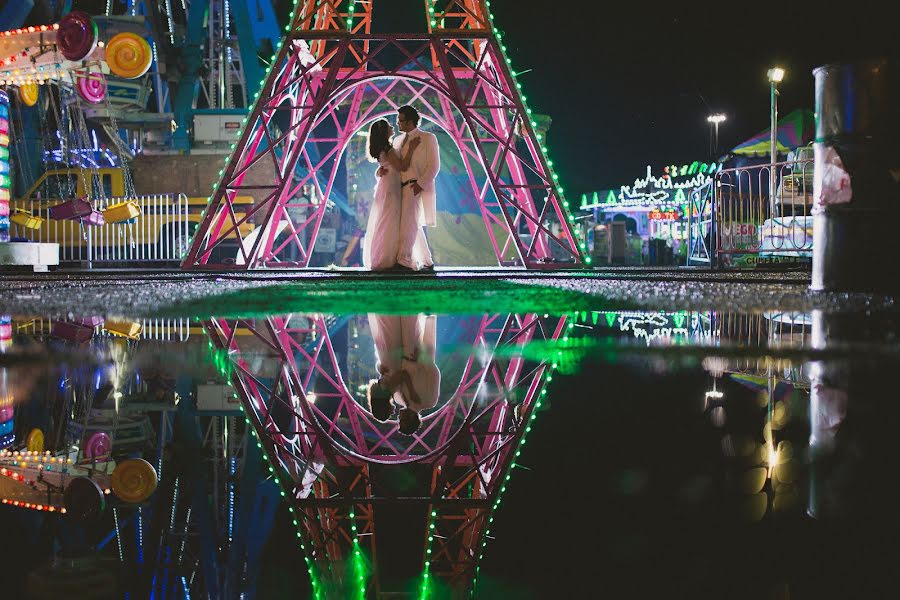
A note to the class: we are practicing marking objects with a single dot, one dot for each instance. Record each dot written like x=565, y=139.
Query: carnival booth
x=654, y=210
x=758, y=227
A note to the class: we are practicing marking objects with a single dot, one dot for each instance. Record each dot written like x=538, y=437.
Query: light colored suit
x=408, y=343
x=421, y=210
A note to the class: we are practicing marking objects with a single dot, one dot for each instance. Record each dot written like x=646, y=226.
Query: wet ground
x=627, y=434
x=177, y=294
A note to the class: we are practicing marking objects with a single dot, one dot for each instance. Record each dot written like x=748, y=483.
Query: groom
x=418, y=199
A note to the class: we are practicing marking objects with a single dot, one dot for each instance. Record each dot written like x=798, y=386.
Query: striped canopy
x=795, y=129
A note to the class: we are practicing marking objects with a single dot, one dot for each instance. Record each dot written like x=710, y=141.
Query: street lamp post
x=775, y=75
x=715, y=120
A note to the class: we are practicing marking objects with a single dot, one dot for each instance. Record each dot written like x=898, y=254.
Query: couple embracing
x=405, y=199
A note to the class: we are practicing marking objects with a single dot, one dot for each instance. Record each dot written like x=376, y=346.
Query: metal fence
x=751, y=220
x=162, y=330
x=159, y=234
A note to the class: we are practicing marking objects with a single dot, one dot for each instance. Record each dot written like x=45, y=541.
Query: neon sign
x=660, y=215
x=665, y=192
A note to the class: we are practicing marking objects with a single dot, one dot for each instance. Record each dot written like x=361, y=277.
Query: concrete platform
x=40, y=256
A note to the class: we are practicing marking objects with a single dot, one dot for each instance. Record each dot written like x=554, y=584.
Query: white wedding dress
x=382, y=238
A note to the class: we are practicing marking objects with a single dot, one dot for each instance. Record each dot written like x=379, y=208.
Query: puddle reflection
x=171, y=457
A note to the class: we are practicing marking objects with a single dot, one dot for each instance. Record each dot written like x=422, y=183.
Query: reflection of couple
x=409, y=378
x=404, y=195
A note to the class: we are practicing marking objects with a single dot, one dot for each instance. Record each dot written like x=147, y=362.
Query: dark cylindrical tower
x=857, y=177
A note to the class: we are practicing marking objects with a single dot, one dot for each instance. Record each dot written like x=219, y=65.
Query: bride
x=383, y=229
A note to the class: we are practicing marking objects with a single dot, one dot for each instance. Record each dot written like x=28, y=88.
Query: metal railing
x=161, y=330
x=701, y=226
x=750, y=220
x=159, y=234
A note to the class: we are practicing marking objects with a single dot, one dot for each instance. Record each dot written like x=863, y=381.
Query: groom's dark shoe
x=427, y=269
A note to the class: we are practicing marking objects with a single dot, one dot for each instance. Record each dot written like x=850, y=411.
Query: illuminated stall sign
x=664, y=215
x=665, y=192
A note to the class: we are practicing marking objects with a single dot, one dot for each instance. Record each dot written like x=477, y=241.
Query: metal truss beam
x=329, y=79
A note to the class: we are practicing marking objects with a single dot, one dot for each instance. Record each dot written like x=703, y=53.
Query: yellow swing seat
x=123, y=211
x=126, y=329
x=25, y=219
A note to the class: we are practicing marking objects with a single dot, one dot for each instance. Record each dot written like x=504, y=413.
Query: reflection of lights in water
x=772, y=459
x=661, y=325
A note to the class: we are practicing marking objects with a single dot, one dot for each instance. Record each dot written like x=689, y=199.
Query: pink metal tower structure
x=323, y=445
x=330, y=78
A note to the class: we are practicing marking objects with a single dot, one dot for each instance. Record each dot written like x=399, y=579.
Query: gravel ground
x=170, y=293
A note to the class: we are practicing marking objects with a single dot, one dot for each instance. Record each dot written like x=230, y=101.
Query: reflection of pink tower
x=329, y=78
x=326, y=450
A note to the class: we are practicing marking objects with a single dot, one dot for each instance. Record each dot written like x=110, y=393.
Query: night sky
x=631, y=83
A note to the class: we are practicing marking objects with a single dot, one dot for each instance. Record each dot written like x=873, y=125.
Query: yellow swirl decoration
x=133, y=480
x=28, y=93
x=35, y=441
x=128, y=55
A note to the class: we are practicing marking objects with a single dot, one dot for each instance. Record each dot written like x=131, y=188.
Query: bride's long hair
x=379, y=138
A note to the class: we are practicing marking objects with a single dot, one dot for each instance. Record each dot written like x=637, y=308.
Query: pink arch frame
x=476, y=103
x=326, y=481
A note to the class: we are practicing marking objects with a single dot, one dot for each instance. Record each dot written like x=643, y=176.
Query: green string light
x=577, y=238
x=547, y=377
x=359, y=566
x=223, y=363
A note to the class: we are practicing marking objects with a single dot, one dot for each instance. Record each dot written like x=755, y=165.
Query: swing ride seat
x=123, y=211
x=26, y=219
x=74, y=208
x=72, y=332
x=95, y=218
x=126, y=329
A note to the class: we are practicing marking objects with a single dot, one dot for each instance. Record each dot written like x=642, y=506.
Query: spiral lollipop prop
x=128, y=55
x=91, y=87
x=29, y=93
x=42, y=53
x=134, y=480
x=77, y=36
x=97, y=445
x=35, y=441
x=84, y=500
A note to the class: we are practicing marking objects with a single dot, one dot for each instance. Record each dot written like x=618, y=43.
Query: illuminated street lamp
x=775, y=75
x=715, y=120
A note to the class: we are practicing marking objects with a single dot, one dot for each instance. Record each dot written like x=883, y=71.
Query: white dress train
x=382, y=238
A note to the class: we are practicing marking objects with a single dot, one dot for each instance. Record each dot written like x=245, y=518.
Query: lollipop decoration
x=91, y=87
x=28, y=93
x=128, y=55
x=84, y=499
x=77, y=35
x=97, y=445
x=134, y=480
x=35, y=440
